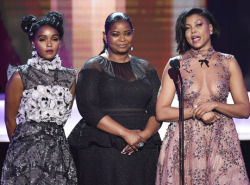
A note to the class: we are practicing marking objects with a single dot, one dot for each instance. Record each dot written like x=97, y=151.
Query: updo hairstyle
x=31, y=24
x=113, y=18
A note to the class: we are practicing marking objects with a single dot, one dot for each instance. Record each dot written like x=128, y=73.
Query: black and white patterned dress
x=38, y=151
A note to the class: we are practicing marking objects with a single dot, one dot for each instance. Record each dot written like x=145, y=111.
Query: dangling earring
x=34, y=53
x=131, y=48
x=106, y=48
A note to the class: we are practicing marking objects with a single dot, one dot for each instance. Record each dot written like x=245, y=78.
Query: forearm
x=239, y=110
x=107, y=124
x=151, y=128
x=10, y=126
x=172, y=114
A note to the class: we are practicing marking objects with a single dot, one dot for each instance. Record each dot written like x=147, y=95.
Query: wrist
x=145, y=134
x=189, y=113
x=216, y=104
x=123, y=132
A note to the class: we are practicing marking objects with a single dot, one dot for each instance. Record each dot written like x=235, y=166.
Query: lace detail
x=212, y=152
x=42, y=64
x=11, y=69
x=45, y=104
x=205, y=54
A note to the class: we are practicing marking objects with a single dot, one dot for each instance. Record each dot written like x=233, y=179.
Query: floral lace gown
x=38, y=151
x=212, y=152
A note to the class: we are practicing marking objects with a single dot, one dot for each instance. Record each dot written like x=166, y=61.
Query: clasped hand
x=133, y=138
x=204, y=112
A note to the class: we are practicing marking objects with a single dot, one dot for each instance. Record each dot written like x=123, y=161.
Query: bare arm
x=151, y=128
x=164, y=111
x=241, y=106
x=13, y=94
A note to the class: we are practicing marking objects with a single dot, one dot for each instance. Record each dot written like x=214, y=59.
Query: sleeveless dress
x=38, y=152
x=212, y=151
x=126, y=92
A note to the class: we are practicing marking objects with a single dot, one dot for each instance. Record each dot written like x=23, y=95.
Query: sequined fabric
x=212, y=152
x=38, y=151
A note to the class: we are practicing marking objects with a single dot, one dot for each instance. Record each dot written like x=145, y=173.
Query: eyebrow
x=195, y=21
x=46, y=35
x=124, y=31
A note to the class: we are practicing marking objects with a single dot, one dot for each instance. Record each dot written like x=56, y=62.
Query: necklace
x=206, y=56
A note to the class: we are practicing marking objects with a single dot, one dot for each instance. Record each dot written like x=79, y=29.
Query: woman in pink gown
x=212, y=153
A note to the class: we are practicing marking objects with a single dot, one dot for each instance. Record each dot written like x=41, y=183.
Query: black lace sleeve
x=155, y=82
x=87, y=96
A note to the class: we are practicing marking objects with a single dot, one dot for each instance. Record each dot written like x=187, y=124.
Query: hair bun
x=27, y=22
x=55, y=17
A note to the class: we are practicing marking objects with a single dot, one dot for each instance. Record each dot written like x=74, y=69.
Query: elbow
x=245, y=114
x=159, y=115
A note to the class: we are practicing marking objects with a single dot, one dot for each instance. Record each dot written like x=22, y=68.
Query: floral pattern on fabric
x=45, y=104
x=38, y=152
x=212, y=153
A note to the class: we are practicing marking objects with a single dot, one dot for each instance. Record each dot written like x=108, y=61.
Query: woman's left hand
x=202, y=108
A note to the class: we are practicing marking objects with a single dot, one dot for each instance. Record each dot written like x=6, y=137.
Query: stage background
x=154, y=22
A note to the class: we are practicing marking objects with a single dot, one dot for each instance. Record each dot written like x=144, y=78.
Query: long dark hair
x=110, y=20
x=182, y=44
x=31, y=24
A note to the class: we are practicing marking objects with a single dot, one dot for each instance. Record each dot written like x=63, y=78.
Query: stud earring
x=131, y=48
x=211, y=33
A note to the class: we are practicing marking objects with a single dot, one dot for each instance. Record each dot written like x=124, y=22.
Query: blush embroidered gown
x=212, y=152
x=38, y=151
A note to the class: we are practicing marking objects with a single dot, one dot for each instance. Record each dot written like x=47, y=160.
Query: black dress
x=126, y=92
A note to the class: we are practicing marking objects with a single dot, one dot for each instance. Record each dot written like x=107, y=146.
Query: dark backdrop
x=233, y=17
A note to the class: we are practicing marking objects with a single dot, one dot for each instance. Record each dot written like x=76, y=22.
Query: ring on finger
x=141, y=144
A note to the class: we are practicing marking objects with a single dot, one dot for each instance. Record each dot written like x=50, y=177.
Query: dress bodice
x=103, y=90
x=198, y=79
x=46, y=96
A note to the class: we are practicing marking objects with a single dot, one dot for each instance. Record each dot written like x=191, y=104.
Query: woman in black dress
x=116, y=95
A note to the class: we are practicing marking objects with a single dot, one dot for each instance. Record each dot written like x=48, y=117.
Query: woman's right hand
x=209, y=117
x=133, y=138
